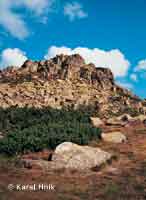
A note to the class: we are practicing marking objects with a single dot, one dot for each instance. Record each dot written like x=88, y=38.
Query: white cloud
x=141, y=65
x=13, y=22
x=39, y=7
x=53, y=51
x=74, y=10
x=113, y=59
x=134, y=77
x=12, y=57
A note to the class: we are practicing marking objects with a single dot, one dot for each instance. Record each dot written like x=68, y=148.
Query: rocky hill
x=49, y=145
x=66, y=81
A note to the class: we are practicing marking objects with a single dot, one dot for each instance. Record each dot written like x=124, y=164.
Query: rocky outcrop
x=72, y=156
x=69, y=68
x=66, y=81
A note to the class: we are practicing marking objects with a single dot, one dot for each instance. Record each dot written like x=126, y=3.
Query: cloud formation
x=74, y=11
x=113, y=59
x=12, y=57
x=134, y=77
x=141, y=65
x=11, y=21
x=14, y=22
x=37, y=6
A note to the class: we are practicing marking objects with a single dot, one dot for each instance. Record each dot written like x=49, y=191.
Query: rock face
x=66, y=81
x=72, y=156
x=114, y=137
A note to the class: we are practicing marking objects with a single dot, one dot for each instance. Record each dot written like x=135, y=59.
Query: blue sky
x=110, y=33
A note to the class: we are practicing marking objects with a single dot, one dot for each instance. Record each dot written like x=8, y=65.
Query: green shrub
x=29, y=129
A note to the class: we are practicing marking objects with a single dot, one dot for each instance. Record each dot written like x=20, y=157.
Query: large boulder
x=114, y=137
x=72, y=156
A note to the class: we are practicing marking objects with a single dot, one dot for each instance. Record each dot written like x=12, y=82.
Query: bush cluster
x=30, y=129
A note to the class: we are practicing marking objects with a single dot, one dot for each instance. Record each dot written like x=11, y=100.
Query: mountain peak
x=72, y=67
x=66, y=81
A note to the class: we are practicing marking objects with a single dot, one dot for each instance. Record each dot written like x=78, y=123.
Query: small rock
x=140, y=117
x=114, y=122
x=113, y=170
x=96, y=121
x=35, y=164
x=114, y=137
x=144, y=122
x=1, y=135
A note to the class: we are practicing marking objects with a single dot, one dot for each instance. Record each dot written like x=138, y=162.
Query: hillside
x=66, y=81
x=62, y=123
x=124, y=178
